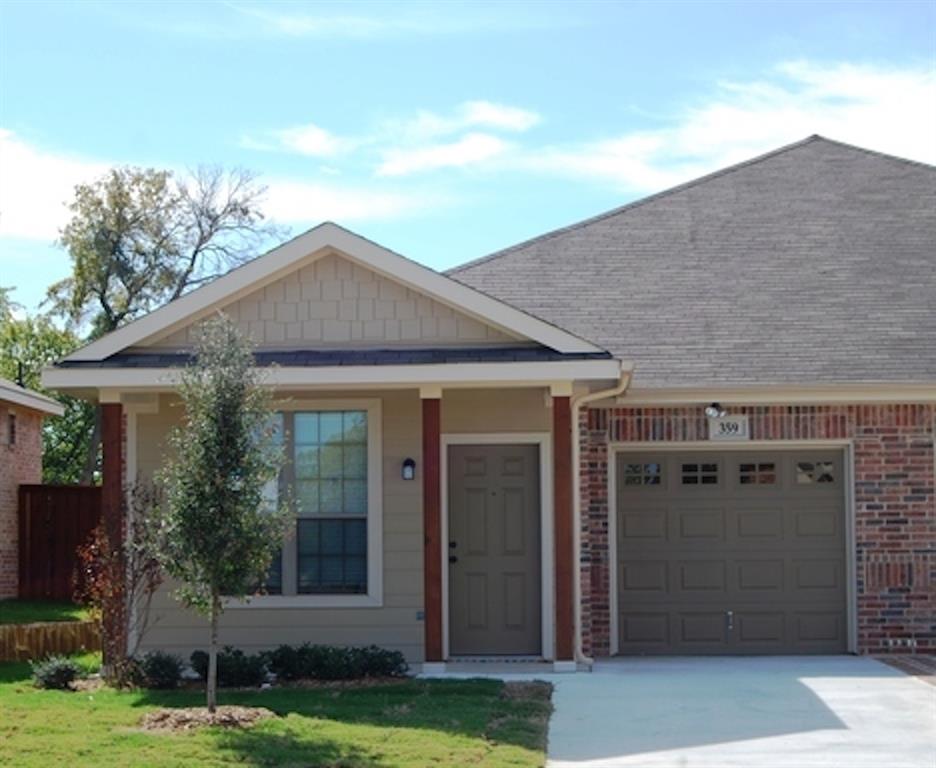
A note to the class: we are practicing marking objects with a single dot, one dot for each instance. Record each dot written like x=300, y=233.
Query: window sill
x=306, y=601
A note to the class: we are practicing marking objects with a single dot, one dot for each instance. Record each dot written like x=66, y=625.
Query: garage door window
x=642, y=474
x=809, y=472
x=761, y=473
x=700, y=474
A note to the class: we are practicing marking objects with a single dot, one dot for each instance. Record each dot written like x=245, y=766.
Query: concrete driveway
x=779, y=712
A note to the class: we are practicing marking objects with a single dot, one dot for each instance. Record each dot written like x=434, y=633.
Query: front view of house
x=699, y=424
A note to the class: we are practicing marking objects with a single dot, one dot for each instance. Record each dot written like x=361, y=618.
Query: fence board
x=54, y=520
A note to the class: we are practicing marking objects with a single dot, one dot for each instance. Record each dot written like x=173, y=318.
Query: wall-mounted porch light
x=409, y=469
x=715, y=411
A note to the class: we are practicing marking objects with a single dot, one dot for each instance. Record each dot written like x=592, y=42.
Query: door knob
x=453, y=558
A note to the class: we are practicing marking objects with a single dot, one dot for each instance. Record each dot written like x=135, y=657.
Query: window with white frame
x=328, y=479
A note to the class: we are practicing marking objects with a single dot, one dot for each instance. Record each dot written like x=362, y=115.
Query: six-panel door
x=494, y=550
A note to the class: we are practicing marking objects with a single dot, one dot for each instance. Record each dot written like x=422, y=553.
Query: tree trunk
x=213, y=657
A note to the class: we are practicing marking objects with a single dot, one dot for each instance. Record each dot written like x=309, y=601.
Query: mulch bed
x=190, y=718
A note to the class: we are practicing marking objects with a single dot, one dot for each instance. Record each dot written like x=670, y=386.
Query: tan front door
x=494, y=550
x=734, y=552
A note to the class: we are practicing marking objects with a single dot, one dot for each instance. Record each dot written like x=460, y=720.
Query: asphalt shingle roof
x=815, y=263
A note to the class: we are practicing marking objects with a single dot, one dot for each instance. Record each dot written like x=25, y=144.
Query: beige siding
x=333, y=302
x=395, y=624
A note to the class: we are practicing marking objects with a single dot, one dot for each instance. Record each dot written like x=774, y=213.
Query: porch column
x=562, y=526
x=114, y=625
x=432, y=522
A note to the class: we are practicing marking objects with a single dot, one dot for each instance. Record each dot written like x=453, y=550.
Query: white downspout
x=577, y=402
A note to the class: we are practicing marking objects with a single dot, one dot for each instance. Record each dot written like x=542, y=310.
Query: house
x=21, y=414
x=699, y=424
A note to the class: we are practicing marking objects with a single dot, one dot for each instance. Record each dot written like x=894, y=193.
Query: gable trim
x=304, y=249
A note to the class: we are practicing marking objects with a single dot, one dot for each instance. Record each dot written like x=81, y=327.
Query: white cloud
x=34, y=186
x=887, y=109
x=467, y=115
x=312, y=140
x=471, y=149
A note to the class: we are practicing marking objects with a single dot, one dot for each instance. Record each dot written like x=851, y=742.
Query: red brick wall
x=20, y=463
x=895, y=506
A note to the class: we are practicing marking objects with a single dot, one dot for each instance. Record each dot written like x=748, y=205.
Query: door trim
x=847, y=448
x=544, y=441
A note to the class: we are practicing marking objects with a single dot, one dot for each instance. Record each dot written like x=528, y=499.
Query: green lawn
x=28, y=611
x=412, y=723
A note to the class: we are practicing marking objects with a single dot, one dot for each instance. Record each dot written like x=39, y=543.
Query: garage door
x=731, y=552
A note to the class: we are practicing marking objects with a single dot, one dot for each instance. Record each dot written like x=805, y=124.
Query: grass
x=29, y=611
x=411, y=723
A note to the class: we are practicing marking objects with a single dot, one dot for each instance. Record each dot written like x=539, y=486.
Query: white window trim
x=374, y=595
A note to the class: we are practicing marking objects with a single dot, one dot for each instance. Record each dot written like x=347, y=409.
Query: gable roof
x=815, y=263
x=11, y=392
x=301, y=250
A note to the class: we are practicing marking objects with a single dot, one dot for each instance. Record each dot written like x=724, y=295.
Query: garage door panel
x=645, y=632
x=760, y=575
x=821, y=524
x=699, y=523
x=818, y=629
x=640, y=577
x=706, y=576
x=760, y=628
x=646, y=524
x=747, y=554
x=819, y=579
x=701, y=628
x=758, y=524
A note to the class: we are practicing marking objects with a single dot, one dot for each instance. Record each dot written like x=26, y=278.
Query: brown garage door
x=731, y=552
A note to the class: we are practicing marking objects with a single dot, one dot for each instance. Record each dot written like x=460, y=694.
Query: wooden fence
x=54, y=520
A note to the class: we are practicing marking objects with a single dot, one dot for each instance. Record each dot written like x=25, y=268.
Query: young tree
x=219, y=536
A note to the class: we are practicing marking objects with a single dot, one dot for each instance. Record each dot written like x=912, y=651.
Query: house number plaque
x=729, y=428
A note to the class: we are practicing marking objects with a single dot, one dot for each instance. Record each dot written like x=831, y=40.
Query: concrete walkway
x=779, y=712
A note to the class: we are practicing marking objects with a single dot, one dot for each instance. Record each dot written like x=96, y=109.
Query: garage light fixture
x=715, y=411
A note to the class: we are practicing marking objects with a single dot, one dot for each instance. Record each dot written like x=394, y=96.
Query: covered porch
x=471, y=563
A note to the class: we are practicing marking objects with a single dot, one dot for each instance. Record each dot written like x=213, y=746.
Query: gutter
x=577, y=403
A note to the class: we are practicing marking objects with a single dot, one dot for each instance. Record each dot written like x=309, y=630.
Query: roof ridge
x=670, y=191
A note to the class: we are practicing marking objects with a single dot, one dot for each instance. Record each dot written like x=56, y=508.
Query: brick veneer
x=19, y=464
x=895, y=506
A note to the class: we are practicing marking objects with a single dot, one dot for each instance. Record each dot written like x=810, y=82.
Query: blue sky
x=442, y=130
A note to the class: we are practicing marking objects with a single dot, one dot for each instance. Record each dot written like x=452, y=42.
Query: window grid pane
x=330, y=463
x=332, y=556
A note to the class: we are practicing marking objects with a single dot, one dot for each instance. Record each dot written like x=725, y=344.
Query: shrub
x=55, y=672
x=236, y=669
x=325, y=662
x=160, y=670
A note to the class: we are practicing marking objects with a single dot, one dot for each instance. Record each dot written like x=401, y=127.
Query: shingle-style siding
x=20, y=464
x=335, y=303
x=816, y=263
x=894, y=498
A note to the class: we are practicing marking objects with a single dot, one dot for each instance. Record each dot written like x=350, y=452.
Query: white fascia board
x=287, y=257
x=446, y=375
x=27, y=399
x=791, y=394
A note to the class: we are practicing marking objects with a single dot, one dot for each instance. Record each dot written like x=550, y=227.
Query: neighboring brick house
x=21, y=414
x=702, y=423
